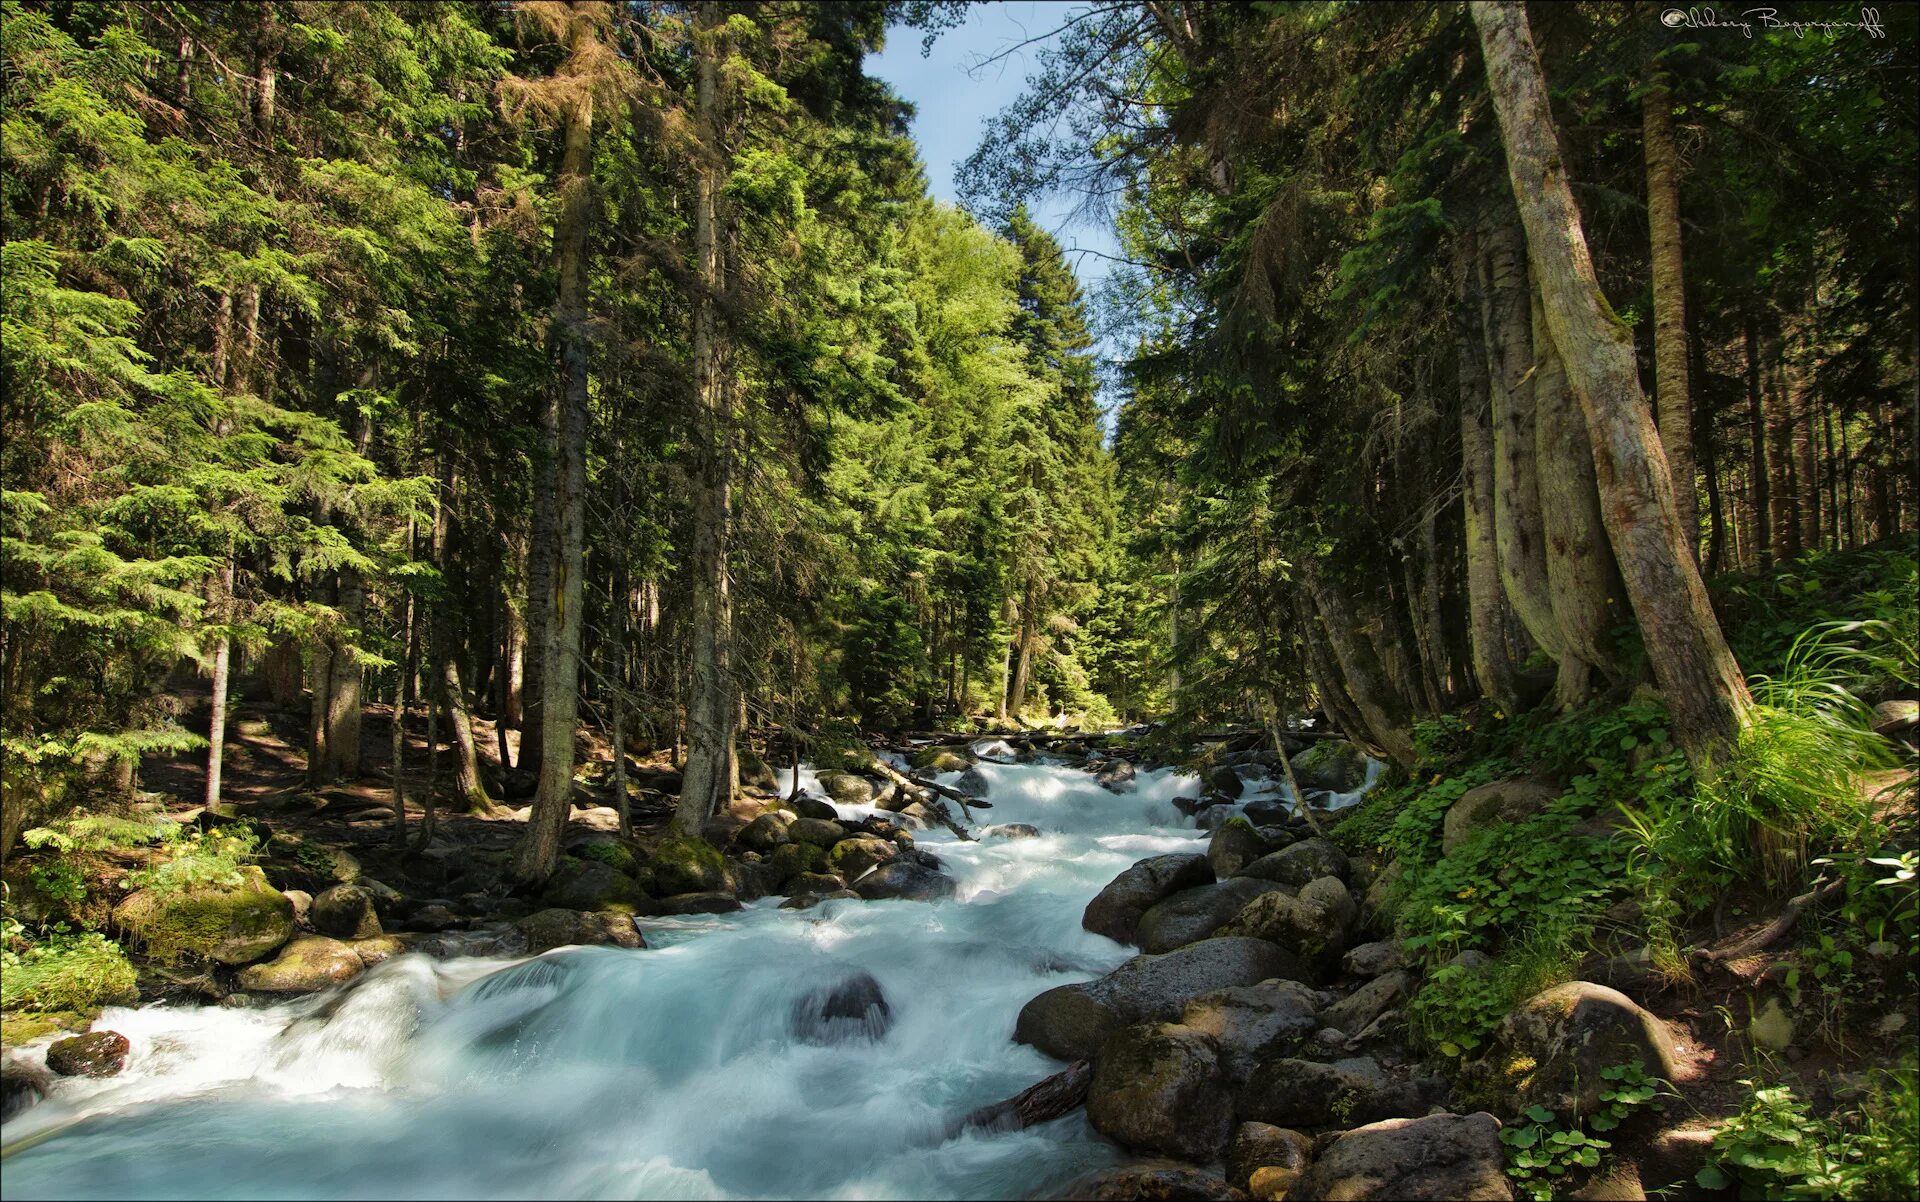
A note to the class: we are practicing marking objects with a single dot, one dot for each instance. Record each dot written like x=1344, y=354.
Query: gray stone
x=765, y=833
x=852, y=857
x=1151, y=1181
x=1373, y=959
x=1225, y=781
x=307, y=963
x=1011, y=830
x=1331, y=764
x=1551, y=1049
x=905, y=880
x=1309, y=1093
x=1356, y=1012
x=1233, y=847
x=1115, y=912
x=1315, y=924
x=1251, y=1023
x=1070, y=1022
x=1300, y=863
x=1439, y=1157
x=580, y=884
x=1194, y=914
x=699, y=903
x=808, y=806
x=819, y=832
x=1159, y=1088
x=1502, y=801
x=556, y=927
x=847, y=788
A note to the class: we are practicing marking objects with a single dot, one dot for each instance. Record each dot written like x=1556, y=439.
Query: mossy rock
x=310, y=865
x=940, y=759
x=227, y=926
x=590, y=885
x=793, y=859
x=754, y=773
x=617, y=856
x=1332, y=764
x=22, y=1026
x=308, y=963
x=682, y=865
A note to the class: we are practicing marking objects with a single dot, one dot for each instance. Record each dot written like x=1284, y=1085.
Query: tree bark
x=1695, y=670
x=1519, y=527
x=1382, y=708
x=397, y=776
x=344, y=687
x=1584, y=580
x=222, y=661
x=1760, y=530
x=707, y=782
x=539, y=847
x=1486, y=616
x=1672, y=391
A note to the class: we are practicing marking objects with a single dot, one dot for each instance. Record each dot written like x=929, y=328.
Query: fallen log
x=1774, y=931
x=1058, y=1095
x=923, y=792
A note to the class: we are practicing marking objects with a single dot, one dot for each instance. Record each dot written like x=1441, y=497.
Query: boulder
x=808, y=806
x=816, y=882
x=854, y=1008
x=1267, y=811
x=308, y=963
x=807, y=901
x=754, y=772
x=1152, y=1181
x=1441, y=1156
x=346, y=912
x=1897, y=719
x=852, y=857
x=581, y=884
x=707, y=902
x=1070, y=1022
x=1191, y=806
x=1501, y=801
x=940, y=759
x=1252, y=1023
x=556, y=927
x=1194, y=914
x=1356, y=1012
x=1159, y=1088
x=1115, y=912
x=1331, y=764
x=765, y=833
x=1308, y=1093
x=905, y=880
x=1373, y=959
x=683, y=865
x=1300, y=863
x=1010, y=830
x=847, y=788
x=1315, y=923
x=1234, y=845
x=23, y=1085
x=302, y=902
x=1225, y=781
x=1257, y=1146
x=795, y=859
x=1551, y=1049
x=973, y=782
x=820, y=832
x=1115, y=776
x=95, y=1054
x=227, y=926
x=379, y=947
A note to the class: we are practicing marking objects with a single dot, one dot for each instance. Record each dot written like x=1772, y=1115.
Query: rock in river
x=95, y=1054
x=1116, y=911
x=1441, y=1156
x=1159, y=1088
x=1195, y=914
x=1072, y=1021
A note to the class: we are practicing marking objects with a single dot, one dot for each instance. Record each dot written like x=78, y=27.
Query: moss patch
x=228, y=926
x=683, y=865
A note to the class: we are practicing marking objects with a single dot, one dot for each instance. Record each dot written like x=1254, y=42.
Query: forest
x=562, y=607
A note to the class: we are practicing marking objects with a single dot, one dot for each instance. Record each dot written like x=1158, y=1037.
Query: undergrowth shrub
x=1777, y=1147
x=62, y=970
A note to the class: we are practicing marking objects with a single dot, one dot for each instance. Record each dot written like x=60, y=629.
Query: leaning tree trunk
x=1695, y=670
x=1382, y=707
x=1584, y=580
x=1486, y=605
x=539, y=848
x=448, y=684
x=344, y=689
x=1672, y=394
x=1519, y=528
x=707, y=782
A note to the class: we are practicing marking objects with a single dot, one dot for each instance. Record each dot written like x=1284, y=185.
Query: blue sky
x=954, y=94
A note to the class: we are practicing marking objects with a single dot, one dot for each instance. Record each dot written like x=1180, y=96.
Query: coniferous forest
x=571, y=629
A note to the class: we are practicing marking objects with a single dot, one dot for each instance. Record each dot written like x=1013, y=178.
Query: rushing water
x=687, y=1070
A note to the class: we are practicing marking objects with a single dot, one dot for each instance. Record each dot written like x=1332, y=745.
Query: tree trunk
x=1672, y=391
x=1805, y=476
x=1782, y=487
x=707, y=782
x=343, y=690
x=1028, y=635
x=1695, y=670
x=1584, y=580
x=1760, y=530
x=1486, y=621
x=448, y=684
x=222, y=660
x=1519, y=528
x=397, y=776
x=1381, y=707
x=539, y=848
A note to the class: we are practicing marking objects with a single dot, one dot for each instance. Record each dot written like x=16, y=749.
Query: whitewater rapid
x=679, y=1071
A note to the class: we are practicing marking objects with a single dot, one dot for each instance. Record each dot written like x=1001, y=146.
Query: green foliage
x=1544, y=1149
x=614, y=855
x=60, y=970
x=1777, y=1148
x=1458, y=1007
x=1770, y=614
x=211, y=858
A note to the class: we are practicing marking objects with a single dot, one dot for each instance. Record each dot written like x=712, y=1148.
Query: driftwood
x=1060, y=1094
x=1774, y=931
x=923, y=792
